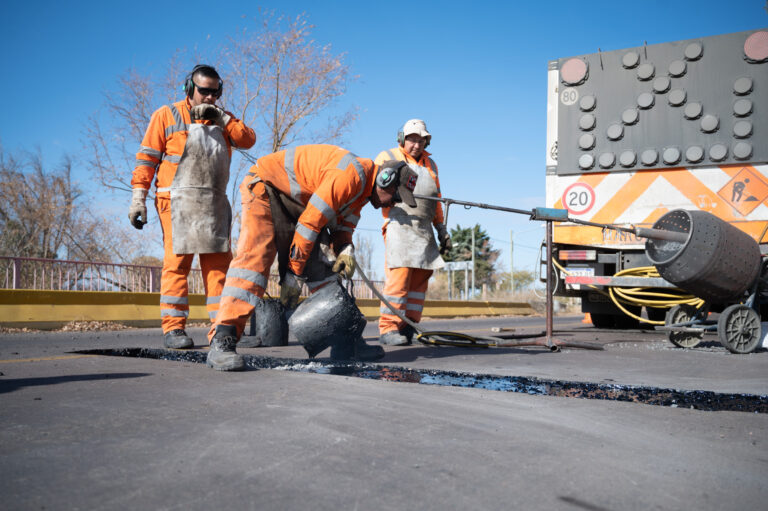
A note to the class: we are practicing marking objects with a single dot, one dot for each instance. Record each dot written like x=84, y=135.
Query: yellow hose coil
x=643, y=296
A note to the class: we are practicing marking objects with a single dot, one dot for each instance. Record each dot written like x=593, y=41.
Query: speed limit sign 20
x=578, y=198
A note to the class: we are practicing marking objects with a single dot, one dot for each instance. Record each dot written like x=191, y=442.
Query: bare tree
x=278, y=80
x=364, y=255
x=113, y=135
x=285, y=81
x=110, y=147
x=43, y=213
x=284, y=85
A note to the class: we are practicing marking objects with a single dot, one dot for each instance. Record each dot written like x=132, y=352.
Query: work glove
x=290, y=290
x=444, y=239
x=345, y=262
x=207, y=112
x=138, y=208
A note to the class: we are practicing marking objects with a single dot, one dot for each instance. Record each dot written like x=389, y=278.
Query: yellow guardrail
x=53, y=309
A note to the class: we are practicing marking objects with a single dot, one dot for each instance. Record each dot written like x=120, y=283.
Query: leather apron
x=410, y=241
x=201, y=216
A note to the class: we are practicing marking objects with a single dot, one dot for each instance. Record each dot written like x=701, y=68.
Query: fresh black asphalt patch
x=693, y=399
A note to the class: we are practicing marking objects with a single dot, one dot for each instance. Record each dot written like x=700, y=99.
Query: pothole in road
x=693, y=399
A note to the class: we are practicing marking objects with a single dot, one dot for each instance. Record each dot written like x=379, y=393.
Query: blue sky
x=475, y=71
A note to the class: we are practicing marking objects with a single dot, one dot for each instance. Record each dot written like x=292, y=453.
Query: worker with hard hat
x=187, y=150
x=314, y=194
x=411, y=253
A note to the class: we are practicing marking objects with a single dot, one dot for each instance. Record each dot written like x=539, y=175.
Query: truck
x=635, y=133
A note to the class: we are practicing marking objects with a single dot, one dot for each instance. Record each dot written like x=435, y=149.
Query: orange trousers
x=405, y=289
x=174, y=288
x=248, y=273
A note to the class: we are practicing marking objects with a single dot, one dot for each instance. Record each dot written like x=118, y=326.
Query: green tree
x=485, y=255
x=522, y=279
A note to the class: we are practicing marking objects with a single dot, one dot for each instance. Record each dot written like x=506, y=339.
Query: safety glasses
x=205, y=91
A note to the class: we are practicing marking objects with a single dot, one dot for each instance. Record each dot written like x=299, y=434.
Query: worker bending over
x=187, y=149
x=411, y=254
x=301, y=204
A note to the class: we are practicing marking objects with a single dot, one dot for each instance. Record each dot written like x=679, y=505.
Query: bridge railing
x=65, y=275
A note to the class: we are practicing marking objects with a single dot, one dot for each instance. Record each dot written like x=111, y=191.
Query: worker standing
x=301, y=204
x=187, y=149
x=411, y=254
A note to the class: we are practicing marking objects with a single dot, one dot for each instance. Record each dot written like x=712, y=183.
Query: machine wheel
x=739, y=329
x=681, y=314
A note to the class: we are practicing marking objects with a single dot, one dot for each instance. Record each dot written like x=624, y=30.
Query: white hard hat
x=414, y=126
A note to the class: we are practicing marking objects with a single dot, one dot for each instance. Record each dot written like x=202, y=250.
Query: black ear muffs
x=387, y=176
x=189, y=85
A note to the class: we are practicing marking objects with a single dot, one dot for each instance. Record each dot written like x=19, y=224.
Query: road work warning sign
x=745, y=191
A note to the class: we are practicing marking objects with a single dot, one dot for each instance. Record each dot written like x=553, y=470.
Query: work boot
x=409, y=333
x=177, y=339
x=394, y=338
x=221, y=354
x=358, y=350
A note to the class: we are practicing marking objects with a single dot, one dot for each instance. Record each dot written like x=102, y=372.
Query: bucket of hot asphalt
x=329, y=317
x=270, y=326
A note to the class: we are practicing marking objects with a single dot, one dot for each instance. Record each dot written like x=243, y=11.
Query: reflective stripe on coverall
x=330, y=183
x=406, y=286
x=159, y=155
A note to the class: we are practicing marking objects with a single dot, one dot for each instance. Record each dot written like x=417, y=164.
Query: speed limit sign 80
x=569, y=96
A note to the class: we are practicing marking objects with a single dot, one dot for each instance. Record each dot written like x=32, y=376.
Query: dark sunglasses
x=205, y=91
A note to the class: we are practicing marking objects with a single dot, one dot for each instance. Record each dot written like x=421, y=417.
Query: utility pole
x=473, y=262
x=511, y=261
x=466, y=284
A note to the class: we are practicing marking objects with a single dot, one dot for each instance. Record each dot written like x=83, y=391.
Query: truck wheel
x=682, y=314
x=624, y=322
x=614, y=321
x=603, y=320
x=739, y=329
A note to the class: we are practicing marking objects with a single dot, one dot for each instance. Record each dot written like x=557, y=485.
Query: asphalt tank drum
x=717, y=262
x=326, y=318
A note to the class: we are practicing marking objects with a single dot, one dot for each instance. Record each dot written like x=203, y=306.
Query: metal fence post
x=16, y=273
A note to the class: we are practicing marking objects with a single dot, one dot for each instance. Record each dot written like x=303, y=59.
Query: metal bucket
x=270, y=325
x=718, y=262
x=327, y=318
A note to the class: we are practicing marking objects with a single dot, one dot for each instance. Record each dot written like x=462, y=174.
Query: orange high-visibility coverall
x=405, y=288
x=333, y=185
x=158, y=156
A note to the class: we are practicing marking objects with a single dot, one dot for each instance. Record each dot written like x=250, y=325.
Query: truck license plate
x=577, y=272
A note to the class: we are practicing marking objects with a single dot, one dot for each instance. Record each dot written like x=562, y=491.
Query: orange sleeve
x=151, y=150
x=439, y=217
x=342, y=235
x=241, y=135
x=337, y=189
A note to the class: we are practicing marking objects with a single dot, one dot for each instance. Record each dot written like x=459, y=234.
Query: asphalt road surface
x=638, y=425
